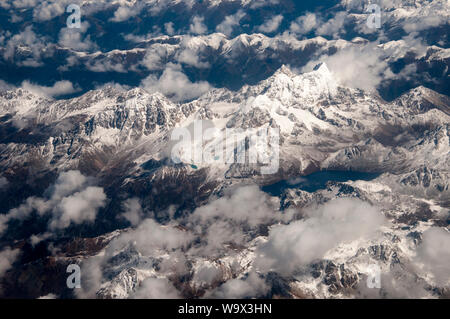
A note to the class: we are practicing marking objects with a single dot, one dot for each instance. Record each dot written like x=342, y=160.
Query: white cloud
x=78, y=208
x=305, y=24
x=105, y=65
x=191, y=57
x=7, y=258
x=15, y=19
x=156, y=288
x=232, y=219
x=36, y=239
x=252, y=286
x=133, y=211
x=72, y=38
x=356, y=67
x=175, y=84
x=292, y=246
x=169, y=28
x=125, y=12
x=155, y=58
x=59, y=88
x=150, y=236
x=413, y=43
x=47, y=10
x=434, y=254
x=247, y=204
x=216, y=235
x=227, y=25
x=272, y=24
x=23, y=211
x=334, y=26
x=197, y=26
x=28, y=42
x=70, y=200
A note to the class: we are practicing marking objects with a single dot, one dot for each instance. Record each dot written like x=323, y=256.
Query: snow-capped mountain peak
x=290, y=88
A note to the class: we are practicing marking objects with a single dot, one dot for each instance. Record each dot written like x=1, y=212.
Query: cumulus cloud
x=59, y=88
x=78, y=208
x=333, y=26
x=7, y=257
x=71, y=200
x=36, y=239
x=175, y=84
x=413, y=43
x=252, y=286
x=227, y=25
x=19, y=4
x=156, y=288
x=309, y=22
x=191, y=57
x=105, y=65
x=156, y=57
x=72, y=38
x=434, y=254
x=356, y=67
x=23, y=211
x=233, y=219
x=367, y=66
x=133, y=211
x=150, y=236
x=125, y=12
x=47, y=10
x=29, y=44
x=169, y=27
x=272, y=24
x=198, y=26
x=247, y=204
x=305, y=23
x=289, y=247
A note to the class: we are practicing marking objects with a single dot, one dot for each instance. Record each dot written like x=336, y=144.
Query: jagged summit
x=320, y=68
x=287, y=85
x=422, y=99
x=285, y=70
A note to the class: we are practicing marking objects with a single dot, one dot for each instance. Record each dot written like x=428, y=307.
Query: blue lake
x=317, y=181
